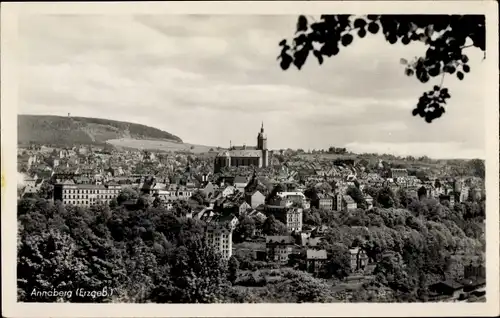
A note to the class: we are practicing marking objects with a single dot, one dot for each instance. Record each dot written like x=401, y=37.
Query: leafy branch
x=446, y=36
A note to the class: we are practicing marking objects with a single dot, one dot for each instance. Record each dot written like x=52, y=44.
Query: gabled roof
x=316, y=254
x=240, y=179
x=282, y=239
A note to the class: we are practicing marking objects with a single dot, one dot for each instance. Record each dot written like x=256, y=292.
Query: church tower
x=262, y=146
x=262, y=139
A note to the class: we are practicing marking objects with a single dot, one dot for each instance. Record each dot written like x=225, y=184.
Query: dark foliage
x=446, y=38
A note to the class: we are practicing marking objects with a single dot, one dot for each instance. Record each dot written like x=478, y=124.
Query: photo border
x=9, y=102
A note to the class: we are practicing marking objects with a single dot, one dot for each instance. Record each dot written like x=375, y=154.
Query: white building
x=221, y=238
x=85, y=194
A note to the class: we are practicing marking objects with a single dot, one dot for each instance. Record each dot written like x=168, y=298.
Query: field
x=158, y=145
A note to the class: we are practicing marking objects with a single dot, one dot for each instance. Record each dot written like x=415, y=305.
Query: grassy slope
x=60, y=130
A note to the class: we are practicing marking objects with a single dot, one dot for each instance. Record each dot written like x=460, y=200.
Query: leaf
x=466, y=68
x=286, y=60
x=282, y=43
x=302, y=24
x=347, y=39
x=359, y=23
x=460, y=75
x=409, y=72
x=403, y=61
x=300, y=58
x=373, y=27
x=319, y=56
x=361, y=33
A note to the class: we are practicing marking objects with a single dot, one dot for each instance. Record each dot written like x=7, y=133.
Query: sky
x=214, y=79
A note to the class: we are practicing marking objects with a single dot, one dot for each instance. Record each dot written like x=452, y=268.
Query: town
x=320, y=212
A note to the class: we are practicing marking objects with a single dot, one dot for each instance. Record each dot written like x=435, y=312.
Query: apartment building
x=221, y=238
x=294, y=220
x=85, y=194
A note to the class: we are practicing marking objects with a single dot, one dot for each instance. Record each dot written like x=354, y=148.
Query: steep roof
x=280, y=239
x=316, y=254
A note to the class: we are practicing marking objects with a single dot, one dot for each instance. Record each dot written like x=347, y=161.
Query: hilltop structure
x=244, y=156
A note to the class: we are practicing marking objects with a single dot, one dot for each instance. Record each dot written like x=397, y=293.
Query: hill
x=59, y=130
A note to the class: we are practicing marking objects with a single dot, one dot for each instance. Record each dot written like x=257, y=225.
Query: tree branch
x=442, y=80
x=466, y=46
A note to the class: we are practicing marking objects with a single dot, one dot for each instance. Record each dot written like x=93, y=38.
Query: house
x=306, y=240
x=279, y=248
x=447, y=288
x=32, y=186
x=348, y=203
x=399, y=173
x=209, y=189
x=229, y=190
x=359, y=259
x=324, y=201
x=240, y=183
x=261, y=217
x=316, y=260
x=255, y=198
x=243, y=208
x=369, y=201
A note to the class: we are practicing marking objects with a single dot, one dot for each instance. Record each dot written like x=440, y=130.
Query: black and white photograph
x=322, y=155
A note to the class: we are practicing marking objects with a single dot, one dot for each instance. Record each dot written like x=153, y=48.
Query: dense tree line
x=143, y=255
x=148, y=254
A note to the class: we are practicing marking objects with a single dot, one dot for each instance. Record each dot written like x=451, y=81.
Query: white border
x=9, y=15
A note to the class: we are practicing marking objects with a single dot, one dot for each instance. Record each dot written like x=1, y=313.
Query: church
x=244, y=156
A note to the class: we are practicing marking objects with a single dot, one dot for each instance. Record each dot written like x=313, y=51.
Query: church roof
x=246, y=153
x=223, y=154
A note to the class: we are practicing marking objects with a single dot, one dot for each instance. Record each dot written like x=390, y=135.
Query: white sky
x=211, y=79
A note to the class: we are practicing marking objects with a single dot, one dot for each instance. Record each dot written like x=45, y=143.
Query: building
x=85, y=194
x=243, y=156
x=291, y=217
x=279, y=248
x=399, y=173
x=316, y=260
x=348, y=203
x=369, y=201
x=359, y=259
x=255, y=198
x=325, y=201
x=464, y=194
x=294, y=220
x=449, y=288
x=244, y=208
x=240, y=183
x=221, y=238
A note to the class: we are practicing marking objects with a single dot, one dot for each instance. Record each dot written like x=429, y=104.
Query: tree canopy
x=446, y=37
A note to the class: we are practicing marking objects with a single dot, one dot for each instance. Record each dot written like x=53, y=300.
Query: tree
x=422, y=192
x=273, y=227
x=446, y=37
x=339, y=263
x=46, y=191
x=244, y=229
x=127, y=194
x=385, y=197
x=233, y=266
x=200, y=197
x=358, y=197
x=197, y=275
x=477, y=167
